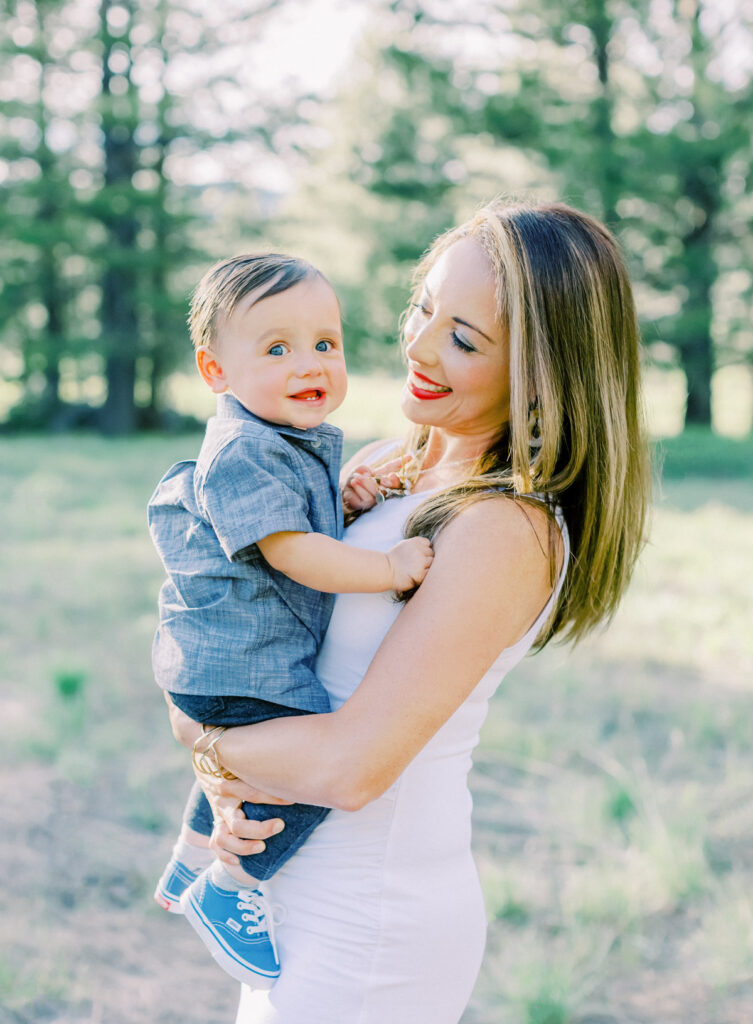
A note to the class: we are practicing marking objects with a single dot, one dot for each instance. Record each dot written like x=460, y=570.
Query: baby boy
x=248, y=535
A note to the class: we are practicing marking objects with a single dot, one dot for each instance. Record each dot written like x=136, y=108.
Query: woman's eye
x=461, y=343
x=323, y=345
x=277, y=350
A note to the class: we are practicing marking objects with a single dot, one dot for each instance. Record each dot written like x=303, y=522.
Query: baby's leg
x=190, y=854
x=300, y=821
x=224, y=905
x=198, y=820
x=196, y=832
x=232, y=876
x=191, y=838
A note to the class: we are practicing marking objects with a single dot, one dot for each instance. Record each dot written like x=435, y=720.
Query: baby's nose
x=308, y=365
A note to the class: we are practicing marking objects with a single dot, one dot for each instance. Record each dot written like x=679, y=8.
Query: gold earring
x=534, y=425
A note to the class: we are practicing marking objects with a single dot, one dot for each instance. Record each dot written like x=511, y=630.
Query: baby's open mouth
x=309, y=395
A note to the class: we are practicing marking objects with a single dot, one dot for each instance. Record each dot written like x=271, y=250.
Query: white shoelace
x=255, y=912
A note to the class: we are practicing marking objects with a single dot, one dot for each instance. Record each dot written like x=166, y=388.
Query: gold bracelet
x=207, y=761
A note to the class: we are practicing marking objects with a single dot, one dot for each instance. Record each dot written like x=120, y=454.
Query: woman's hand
x=234, y=792
x=239, y=836
x=234, y=834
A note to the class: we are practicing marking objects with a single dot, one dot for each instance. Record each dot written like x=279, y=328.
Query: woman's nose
x=420, y=343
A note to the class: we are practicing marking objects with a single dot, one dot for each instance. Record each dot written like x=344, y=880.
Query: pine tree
x=102, y=219
x=632, y=111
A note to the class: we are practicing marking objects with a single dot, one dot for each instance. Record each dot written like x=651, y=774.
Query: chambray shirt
x=230, y=624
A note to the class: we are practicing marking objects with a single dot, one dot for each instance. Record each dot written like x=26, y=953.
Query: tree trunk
x=696, y=345
x=697, y=358
x=119, y=318
x=701, y=181
x=51, y=292
x=52, y=300
x=161, y=228
x=606, y=170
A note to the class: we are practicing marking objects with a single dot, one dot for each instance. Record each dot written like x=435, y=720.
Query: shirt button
x=316, y=443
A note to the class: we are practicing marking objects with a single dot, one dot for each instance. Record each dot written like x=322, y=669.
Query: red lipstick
x=423, y=393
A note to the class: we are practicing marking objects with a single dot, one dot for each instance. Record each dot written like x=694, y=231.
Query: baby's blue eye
x=277, y=350
x=323, y=346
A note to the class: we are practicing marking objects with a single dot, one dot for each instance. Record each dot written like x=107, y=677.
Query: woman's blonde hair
x=575, y=438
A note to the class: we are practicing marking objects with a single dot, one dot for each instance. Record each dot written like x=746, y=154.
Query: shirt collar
x=228, y=407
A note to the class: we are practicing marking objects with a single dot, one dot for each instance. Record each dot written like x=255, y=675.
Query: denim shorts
x=300, y=819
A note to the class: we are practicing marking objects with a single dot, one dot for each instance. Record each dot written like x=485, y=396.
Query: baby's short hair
x=224, y=285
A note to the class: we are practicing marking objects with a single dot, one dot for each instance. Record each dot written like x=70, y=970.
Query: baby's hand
x=360, y=490
x=410, y=561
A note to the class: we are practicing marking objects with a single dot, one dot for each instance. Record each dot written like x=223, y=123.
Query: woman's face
x=458, y=354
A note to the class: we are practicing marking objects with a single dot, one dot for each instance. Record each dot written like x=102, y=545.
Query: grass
x=700, y=453
x=612, y=785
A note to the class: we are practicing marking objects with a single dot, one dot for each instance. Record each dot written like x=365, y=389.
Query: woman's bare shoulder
x=494, y=557
x=505, y=523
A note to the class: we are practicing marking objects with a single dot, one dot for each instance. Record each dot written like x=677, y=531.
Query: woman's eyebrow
x=458, y=320
x=476, y=329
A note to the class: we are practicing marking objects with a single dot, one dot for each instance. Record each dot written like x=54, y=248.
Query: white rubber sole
x=171, y=906
x=223, y=957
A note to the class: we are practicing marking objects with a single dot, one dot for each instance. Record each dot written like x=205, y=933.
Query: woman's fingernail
x=278, y=827
x=258, y=848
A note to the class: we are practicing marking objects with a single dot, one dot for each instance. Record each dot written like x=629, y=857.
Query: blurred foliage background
x=143, y=138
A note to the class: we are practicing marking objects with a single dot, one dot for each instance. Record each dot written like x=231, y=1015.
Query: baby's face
x=282, y=357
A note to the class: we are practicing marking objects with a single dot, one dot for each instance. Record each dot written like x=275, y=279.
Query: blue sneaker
x=174, y=880
x=237, y=929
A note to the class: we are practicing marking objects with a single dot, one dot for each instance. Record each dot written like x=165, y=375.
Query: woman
x=529, y=471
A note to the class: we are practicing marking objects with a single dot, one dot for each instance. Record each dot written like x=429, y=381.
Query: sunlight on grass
x=612, y=815
x=610, y=793
x=724, y=943
x=552, y=985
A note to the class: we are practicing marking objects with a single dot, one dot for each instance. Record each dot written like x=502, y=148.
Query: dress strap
x=530, y=634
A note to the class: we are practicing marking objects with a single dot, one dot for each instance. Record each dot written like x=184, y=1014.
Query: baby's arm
x=319, y=562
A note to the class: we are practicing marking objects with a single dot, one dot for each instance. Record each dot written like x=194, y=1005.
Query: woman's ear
x=210, y=369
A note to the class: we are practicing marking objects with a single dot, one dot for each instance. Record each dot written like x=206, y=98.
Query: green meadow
x=613, y=801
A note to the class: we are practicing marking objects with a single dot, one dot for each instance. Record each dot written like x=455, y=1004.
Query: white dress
x=385, y=920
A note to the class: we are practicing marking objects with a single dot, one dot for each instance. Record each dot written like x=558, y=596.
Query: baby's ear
x=210, y=369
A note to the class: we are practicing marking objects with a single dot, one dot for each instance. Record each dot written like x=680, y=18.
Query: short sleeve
x=251, y=490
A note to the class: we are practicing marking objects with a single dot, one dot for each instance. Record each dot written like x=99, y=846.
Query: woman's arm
x=488, y=583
